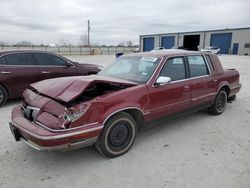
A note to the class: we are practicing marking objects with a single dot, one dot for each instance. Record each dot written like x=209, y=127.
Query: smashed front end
x=63, y=117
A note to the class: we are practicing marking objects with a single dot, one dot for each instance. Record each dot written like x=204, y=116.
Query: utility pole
x=88, y=32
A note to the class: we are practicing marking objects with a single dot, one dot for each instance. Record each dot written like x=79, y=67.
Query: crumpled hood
x=68, y=88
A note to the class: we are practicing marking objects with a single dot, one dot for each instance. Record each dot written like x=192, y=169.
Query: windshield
x=136, y=69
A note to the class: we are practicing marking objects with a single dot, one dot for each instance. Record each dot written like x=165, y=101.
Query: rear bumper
x=235, y=88
x=40, y=138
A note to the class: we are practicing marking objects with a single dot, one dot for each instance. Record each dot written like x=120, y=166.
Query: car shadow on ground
x=12, y=102
x=90, y=156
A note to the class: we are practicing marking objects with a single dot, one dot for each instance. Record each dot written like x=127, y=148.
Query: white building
x=230, y=41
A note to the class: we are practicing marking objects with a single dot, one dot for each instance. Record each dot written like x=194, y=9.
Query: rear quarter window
x=210, y=63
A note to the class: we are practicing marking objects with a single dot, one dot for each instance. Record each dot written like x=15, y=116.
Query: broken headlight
x=71, y=114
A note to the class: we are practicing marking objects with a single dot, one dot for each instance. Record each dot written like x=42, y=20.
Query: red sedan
x=18, y=69
x=106, y=109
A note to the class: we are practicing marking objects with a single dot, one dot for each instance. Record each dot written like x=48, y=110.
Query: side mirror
x=162, y=80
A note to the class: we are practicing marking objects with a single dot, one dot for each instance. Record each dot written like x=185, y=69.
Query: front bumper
x=40, y=138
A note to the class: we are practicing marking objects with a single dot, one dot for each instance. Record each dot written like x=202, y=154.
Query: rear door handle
x=215, y=81
x=5, y=72
x=45, y=72
x=186, y=88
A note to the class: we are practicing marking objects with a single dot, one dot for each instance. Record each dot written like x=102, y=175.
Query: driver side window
x=174, y=68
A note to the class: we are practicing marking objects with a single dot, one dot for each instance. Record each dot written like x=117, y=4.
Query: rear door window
x=18, y=59
x=197, y=66
x=174, y=68
x=49, y=60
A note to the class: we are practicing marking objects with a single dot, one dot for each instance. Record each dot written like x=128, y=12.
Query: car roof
x=23, y=51
x=164, y=53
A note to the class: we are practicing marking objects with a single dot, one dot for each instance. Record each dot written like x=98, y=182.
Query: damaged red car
x=106, y=109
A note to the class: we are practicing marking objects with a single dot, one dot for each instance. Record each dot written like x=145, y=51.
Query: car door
x=174, y=96
x=18, y=72
x=202, y=84
x=52, y=66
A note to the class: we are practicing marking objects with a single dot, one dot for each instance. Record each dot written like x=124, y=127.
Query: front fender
x=118, y=108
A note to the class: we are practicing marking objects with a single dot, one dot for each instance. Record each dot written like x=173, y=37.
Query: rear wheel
x=118, y=135
x=220, y=103
x=3, y=95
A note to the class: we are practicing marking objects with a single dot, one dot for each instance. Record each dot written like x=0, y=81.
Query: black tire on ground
x=3, y=95
x=118, y=135
x=219, y=104
x=232, y=98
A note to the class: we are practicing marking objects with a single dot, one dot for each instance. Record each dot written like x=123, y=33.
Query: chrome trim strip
x=64, y=130
x=32, y=66
x=169, y=105
x=56, y=136
x=68, y=146
x=176, y=81
x=203, y=96
x=203, y=76
x=127, y=108
x=221, y=87
x=205, y=59
x=182, y=80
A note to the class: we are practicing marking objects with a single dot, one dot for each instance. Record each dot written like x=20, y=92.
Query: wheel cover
x=221, y=102
x=120, y=136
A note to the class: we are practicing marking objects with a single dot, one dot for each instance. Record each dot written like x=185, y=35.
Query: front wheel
x=118, y=135
x=219, y=104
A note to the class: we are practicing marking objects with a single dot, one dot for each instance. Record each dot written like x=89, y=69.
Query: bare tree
x=121, y=44
x=63, y=42
x=84, y=40
x=3, y=43
x=129, y=43
x=24, y=43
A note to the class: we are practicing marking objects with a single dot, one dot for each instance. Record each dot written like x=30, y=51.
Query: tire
x=232, y=98
x=219, y=104
x=3, y=95
x=118, y=135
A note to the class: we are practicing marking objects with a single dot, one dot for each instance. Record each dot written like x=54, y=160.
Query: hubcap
x=221, y=102
x=119, y=135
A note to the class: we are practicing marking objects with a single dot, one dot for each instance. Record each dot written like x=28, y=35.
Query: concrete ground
x=198, y=150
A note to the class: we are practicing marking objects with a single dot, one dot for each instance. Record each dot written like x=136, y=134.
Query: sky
x=114, y=21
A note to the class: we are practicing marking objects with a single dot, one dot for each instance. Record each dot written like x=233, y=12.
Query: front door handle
x=45, y=72
x=186, y=88
x=5, y=72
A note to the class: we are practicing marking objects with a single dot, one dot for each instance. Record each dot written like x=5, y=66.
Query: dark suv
x=18, y=69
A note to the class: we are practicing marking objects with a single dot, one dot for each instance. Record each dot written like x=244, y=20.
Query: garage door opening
x=191, y=42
